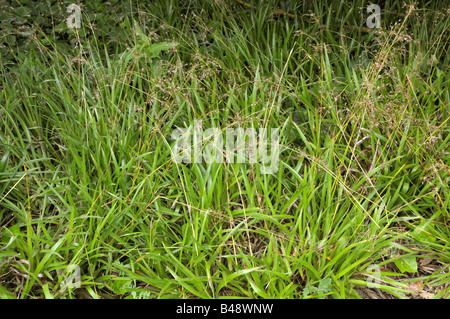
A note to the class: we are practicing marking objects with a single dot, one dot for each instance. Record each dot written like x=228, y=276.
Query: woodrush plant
x=87, y=175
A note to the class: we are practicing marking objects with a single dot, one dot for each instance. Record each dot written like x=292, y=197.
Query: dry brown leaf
x=416, y=286
x=426, y=295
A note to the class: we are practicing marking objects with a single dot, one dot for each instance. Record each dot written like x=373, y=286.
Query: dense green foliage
x=87, y=176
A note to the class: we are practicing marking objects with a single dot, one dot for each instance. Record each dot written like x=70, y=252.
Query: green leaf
x=324, y=285
x=155, y=49
x=151, y=50
x=141, y=35
x=406, y=263
x=120, y=285
x=6, y=294
x=422, y=232
x=305, y=292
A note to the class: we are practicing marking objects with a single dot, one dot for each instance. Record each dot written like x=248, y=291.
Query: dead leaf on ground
x=426, y=295
x=415, y=286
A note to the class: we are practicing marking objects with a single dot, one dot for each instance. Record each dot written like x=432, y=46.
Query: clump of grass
x=87, y=176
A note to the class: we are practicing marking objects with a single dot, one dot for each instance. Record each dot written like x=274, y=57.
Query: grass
x=359, y=205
